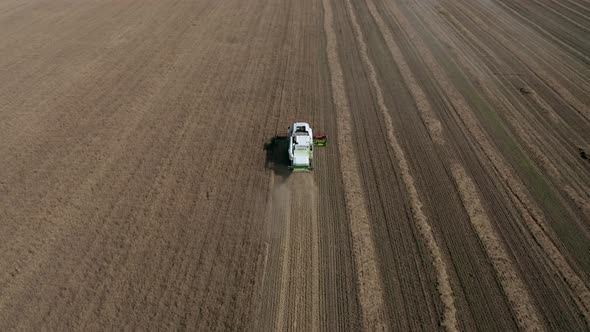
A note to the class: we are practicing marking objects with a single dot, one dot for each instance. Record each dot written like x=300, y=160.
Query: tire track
x=291, y=295
x=281, y=214
x=369, y=281
x=444, y=286
x=303, y=295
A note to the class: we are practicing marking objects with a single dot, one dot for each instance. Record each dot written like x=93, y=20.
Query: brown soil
x=138, y=189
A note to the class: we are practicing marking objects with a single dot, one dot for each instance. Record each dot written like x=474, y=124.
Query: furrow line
x=517, y=118
x=580, y=9
x=512, y=284
x=536, y=68
x=515, y=290
x=530, y=17
x=562, y=15
x=575, y=12
x=369, y=280
x=527, y=133
x=532, y=215
x=443, y=283
x=553, y=115
x=427, y=114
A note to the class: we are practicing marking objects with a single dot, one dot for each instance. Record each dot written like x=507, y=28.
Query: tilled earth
x=139, y=188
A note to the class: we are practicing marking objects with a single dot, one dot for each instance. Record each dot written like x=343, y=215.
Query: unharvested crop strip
x=443, y=283
x=369, y=281
x=533, y=217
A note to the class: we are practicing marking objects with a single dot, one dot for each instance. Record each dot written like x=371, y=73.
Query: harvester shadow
x=277, y=157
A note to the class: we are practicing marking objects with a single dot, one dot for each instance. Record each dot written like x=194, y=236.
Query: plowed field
x=139, y=189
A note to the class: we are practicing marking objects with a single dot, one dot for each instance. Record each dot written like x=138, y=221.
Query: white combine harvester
x=301, y=143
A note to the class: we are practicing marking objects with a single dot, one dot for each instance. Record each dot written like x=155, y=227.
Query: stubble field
x=138, y=189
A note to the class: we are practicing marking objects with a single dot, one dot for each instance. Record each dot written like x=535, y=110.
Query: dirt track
x=138, y=190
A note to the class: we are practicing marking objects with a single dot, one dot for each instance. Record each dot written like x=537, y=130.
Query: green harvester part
x=300, y=169
x=320, y=140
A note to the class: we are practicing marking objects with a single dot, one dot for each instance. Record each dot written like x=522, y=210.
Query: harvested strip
x=516, y=291
x=444, y=286
x=282, y=197
x=519, y=123
x=539, y=70
x=531, y=214
x=370, y=285
x=426, y=113
x=580, y=292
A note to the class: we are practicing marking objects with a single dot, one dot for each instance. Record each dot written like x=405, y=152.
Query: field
x=138, y=188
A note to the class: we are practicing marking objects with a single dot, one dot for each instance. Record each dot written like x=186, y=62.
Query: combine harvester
x=300, y=148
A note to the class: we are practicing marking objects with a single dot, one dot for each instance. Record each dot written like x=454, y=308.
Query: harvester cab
x=301, y=143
